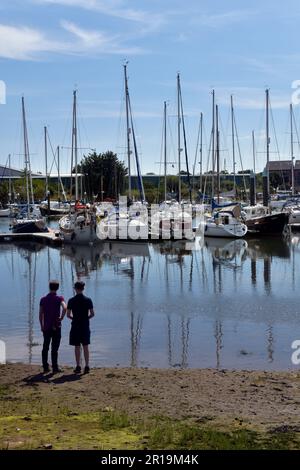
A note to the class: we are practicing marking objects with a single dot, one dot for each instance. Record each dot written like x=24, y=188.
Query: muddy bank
x=265, y=402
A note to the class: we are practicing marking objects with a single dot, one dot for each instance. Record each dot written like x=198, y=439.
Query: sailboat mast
x=46, y=161
x=165, y=150
x=178, y=137
x=253, y=152
x=268, y=142
x=292, y=149
x=185, y=146
x=58, y=173
x=213, y=146
x=127, y=129
x=233, y=144
x=9, y=179
x=140, y=179
x=201, y=151
x=218, y=153
x=253, y=174
x=26, y=161
x=74, y=141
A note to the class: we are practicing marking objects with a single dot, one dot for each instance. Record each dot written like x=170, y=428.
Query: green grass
x=4, y=391
x=28, y=424
x=115, y=430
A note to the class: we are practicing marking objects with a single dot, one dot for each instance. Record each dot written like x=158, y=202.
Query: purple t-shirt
x=51, y=308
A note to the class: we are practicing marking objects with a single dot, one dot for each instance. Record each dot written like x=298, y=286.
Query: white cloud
x=114, y=8
x=24, y=43
x=252, y=98
x=98, y=41
x=223, y=19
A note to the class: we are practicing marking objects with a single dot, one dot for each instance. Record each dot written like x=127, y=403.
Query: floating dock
x=50, y=238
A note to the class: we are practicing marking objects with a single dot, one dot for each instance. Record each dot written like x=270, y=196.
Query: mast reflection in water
x=226, y=303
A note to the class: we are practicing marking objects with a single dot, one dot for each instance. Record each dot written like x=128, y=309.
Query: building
x=297, y=175
x=280, y=172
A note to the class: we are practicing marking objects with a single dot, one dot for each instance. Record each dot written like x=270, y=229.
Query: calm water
x=227, y=304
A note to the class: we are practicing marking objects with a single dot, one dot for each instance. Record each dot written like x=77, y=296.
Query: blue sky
x=48, y=47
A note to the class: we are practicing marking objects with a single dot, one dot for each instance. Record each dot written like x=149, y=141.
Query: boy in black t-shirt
x=80, y=310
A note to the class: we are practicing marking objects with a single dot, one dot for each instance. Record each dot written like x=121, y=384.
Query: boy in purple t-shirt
x=52, y=312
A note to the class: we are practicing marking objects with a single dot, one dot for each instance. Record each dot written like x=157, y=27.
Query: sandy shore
x=264, y=401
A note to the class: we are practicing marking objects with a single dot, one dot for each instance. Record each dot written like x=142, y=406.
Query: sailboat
x=79, y=226
x=258, y=218
x=49, y=207
x=132, y=222
x=224, y=223
x=29, y=220
x=4, y=212
x=172, y=221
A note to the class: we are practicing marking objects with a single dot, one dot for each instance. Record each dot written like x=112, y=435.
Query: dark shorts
x=80, y=335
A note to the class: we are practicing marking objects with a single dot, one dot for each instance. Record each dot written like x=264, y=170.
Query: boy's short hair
x=54, y=285
x=79, y=285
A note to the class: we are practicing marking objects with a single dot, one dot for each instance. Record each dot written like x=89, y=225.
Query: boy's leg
x=86, y=354
x=46, y=344
x=56, y=338
x=77, y=355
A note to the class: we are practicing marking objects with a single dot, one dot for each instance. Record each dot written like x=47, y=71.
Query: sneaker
x=56, y=370
x=77, y=370
x=46, y=369
x=86, y=370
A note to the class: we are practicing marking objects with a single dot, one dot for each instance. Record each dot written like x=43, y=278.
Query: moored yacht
x=259, y=220
x=223, y=224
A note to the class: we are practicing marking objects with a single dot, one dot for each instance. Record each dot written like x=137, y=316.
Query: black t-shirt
x=80, y=306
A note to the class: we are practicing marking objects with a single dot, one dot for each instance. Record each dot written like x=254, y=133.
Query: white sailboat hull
x=4, y=212
x=211, y=229
x=77, y=231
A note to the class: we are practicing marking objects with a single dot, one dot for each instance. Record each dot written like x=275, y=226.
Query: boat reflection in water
x=229, y=252
x=226, y=303
x=87, y=258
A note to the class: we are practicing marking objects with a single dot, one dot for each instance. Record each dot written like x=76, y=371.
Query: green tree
x=104, y=175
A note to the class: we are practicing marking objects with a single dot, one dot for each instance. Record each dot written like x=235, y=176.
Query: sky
x=48, y=48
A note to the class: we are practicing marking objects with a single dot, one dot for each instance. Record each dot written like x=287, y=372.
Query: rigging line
x=4, y=168
x=39, y=145
x=239, y=151
x=173, y=149
x=67, y=130
x=137, y=137
x=83, y=126
x=260, y=136
x=209, y=152
x=160, y=162
x=276, y=143
x=296, y=129
x=196, y=151
x=287, y=133
x=56, y=163
x=185, y=146
x=120, y=136
x=224, y=137
x=228, y=125
x=140, y=179
x=204, y=142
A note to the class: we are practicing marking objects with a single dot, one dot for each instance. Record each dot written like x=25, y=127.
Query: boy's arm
x=91, y=313
x=64, y=309
x=41, y=318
